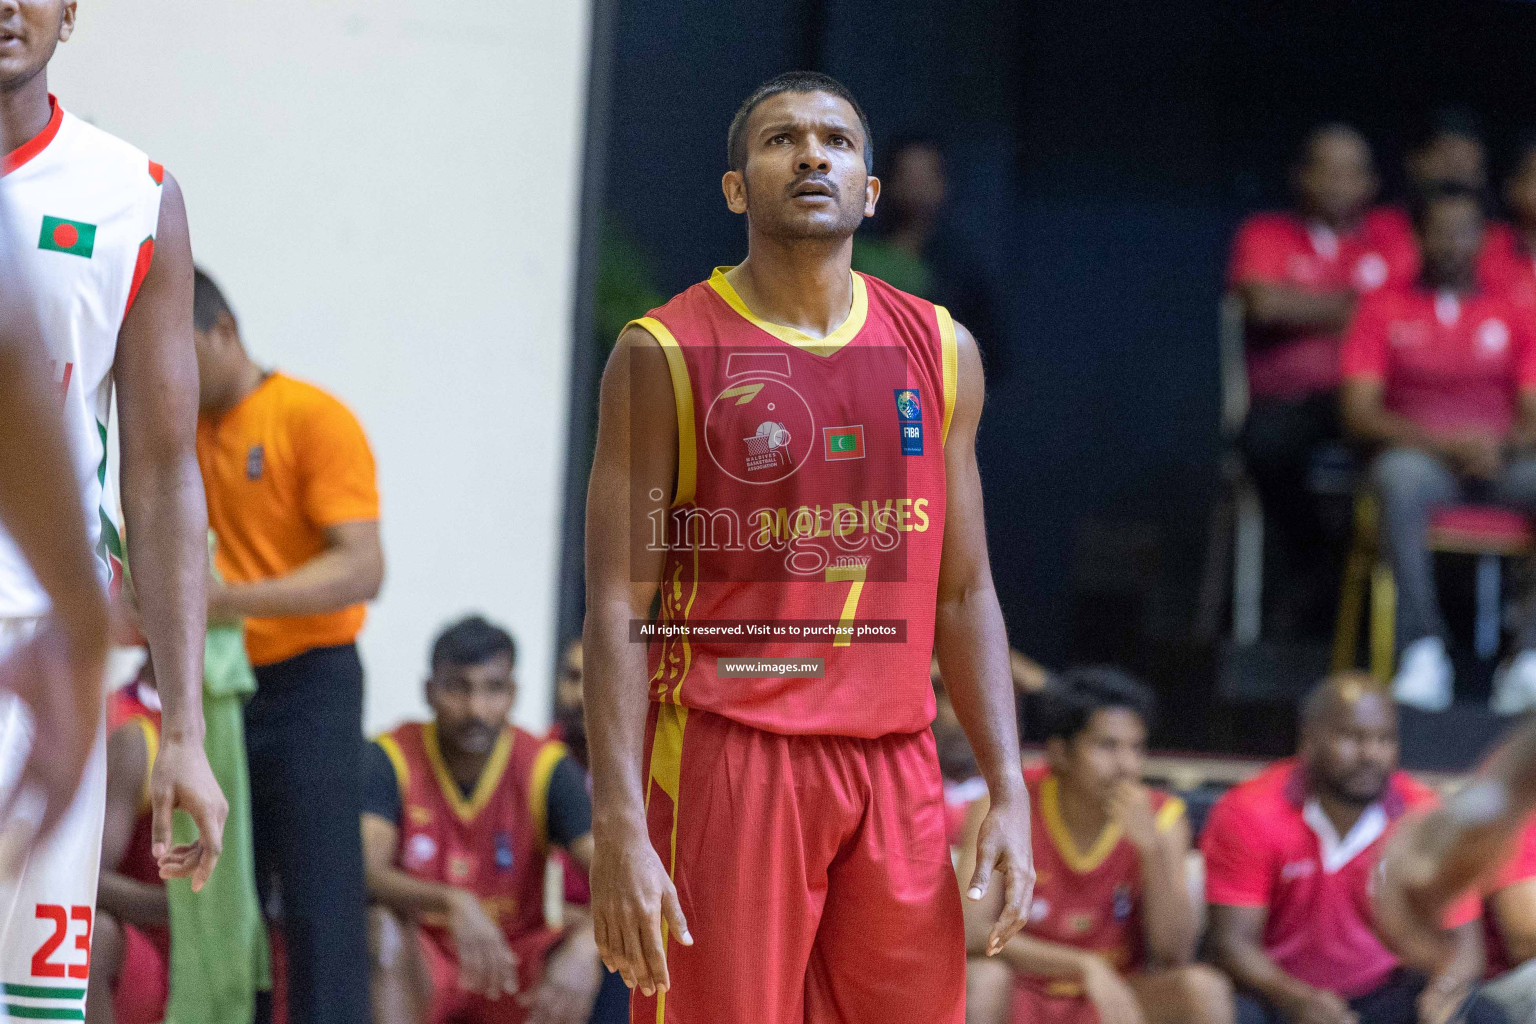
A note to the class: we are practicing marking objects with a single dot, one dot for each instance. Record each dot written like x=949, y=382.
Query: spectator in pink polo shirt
x=1289, y=860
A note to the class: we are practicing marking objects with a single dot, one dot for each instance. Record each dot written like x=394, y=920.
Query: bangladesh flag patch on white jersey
x=72, y=236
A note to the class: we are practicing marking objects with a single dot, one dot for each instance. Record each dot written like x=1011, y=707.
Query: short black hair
x=791, y=81
x=1072, y=698
x=472, y=641
x=1425, y=196
x=208, y=302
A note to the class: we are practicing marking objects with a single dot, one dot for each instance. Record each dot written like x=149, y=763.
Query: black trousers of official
x=1394, y=1002
x=303, y=736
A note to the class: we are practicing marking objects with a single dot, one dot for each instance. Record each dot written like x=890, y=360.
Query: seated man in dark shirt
x=459, y=815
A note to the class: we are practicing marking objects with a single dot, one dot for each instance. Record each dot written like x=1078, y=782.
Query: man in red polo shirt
x=1441, y=377
x=1290, y=858
x=1300, y=275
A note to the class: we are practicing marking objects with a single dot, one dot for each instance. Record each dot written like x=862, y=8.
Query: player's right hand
x=1110, y=995
x=1003, y=848
x=631, y=894
x=487, y=965
x=58, y=673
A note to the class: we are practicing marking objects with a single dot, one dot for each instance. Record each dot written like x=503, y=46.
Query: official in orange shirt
x=293, y=503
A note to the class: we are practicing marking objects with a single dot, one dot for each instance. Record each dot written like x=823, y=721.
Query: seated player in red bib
x=459, y=815
x=1111, y=932
x=131, y=941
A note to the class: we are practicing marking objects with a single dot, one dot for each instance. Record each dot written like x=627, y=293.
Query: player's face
x=29, y=32
x=1520, y=192
x=1337, y=181
x=805, y=176
x=1450, y=238
x=1354, y=752
x=1111, y=749
x=472, y=703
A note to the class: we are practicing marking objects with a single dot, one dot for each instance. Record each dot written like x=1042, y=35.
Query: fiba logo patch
x=255, y=461
x=909, y=420
x=504, y=857
x=1122, y=902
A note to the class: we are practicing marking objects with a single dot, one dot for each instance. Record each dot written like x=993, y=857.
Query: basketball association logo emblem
x=759, y=431
x=768, y=448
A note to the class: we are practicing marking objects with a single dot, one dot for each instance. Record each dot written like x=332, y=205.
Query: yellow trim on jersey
x=844, y=333
x=544, y=763
x=951, y=359
x=1061, y=836
x=391, y=748
x=666, y=772
x=682, y=394
x=151, y=751
x=490, y=776
x=1169, y=814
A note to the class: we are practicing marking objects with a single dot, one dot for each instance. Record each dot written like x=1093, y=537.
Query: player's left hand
x=572, y=976
x=1130, y=804
x=1003, y=847
x=182, y=780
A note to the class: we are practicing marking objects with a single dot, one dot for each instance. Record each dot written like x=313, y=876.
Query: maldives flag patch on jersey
x=843, y=442
x=72, y=236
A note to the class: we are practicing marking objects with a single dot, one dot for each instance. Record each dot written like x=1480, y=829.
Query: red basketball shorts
x=144, y=979
x=814, y=874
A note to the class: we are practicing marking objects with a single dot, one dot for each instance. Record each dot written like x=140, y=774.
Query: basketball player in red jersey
x=770, y=847
x=1111, y=936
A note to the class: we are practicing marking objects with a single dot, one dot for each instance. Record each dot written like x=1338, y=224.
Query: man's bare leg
x=1196, y=994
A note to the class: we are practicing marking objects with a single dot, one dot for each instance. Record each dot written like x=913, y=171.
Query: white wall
x=387, y=191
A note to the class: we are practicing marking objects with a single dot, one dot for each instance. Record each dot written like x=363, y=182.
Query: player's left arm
x=167, y=534
x=972, y=646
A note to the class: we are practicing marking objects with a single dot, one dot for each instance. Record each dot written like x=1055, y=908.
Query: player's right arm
x=636, y=457
x=127, y=899
x=487, y=965
x=59, y=672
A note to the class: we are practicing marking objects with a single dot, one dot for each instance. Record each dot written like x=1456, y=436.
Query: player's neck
x=25, y=109
x=804, y=285
x=466, y=768
x=1084, y=815
x=1343, y=814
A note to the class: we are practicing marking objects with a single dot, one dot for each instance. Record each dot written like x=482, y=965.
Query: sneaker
x=1424, y=675
x=1514, y=685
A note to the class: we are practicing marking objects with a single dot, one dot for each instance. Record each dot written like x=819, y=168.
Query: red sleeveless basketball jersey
x=127, y=706
x=492, y=843
x=809, y=506
x=1087, y=899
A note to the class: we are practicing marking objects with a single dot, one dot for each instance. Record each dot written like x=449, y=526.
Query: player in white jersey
x=101, y=234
